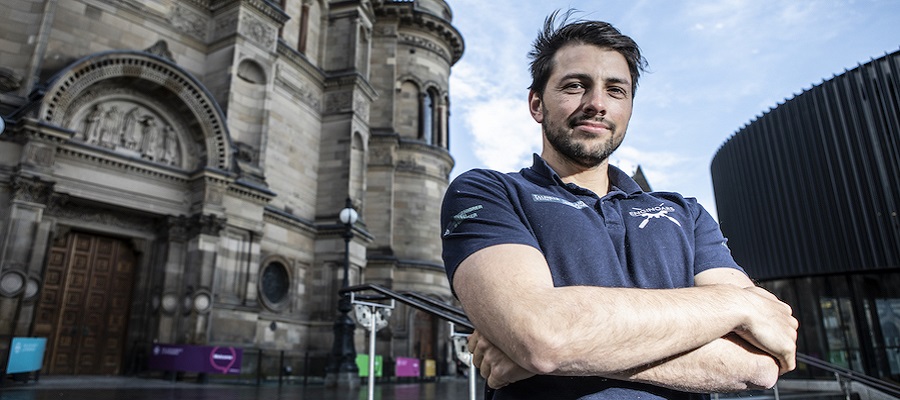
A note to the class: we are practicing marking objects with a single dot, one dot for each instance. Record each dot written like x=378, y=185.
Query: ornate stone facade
x=203, y=150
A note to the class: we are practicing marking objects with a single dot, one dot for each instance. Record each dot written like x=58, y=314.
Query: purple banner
x=188, y=358
x=407, y=367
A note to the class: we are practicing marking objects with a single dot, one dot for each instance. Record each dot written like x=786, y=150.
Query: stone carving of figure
x=150, y=143
x=91, y=133
x=109, y=132
x=131, y=129
x=170, y=152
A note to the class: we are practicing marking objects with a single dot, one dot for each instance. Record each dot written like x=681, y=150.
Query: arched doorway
x=83, y=307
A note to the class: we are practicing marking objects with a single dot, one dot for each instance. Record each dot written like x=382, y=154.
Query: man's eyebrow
x=586, y=77
x=613, y=80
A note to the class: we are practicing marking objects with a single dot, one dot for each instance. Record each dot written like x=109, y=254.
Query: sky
x=714, y=66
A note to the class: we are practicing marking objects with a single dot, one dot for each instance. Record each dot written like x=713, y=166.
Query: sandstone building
x=172, y=171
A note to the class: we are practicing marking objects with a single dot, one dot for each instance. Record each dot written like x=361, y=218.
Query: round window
x=275, y=283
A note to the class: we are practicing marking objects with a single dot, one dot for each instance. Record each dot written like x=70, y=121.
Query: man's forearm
x=724, y=365
x=509, y=295
x=629, y=329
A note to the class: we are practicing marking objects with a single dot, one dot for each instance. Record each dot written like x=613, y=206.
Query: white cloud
x=503, y=132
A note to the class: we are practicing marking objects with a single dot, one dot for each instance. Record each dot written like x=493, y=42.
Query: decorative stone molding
x=160, y=49
x=269, y=9
x=424, y=44
x=226, y=25
x=31, y=189
x=290, y=221
x=361, y=105
x=205, y=224
x=409, y=15
x=40, y=154
x=132, y=128
x=161, y=78
x=175, y=228
x=62, y=206
x=186, y=20
x=258, y=32
x=336, y=102
x=9, y=80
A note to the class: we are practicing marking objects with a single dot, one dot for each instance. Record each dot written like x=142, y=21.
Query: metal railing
x=418, y=301
x=844, y=376
x=457, y=316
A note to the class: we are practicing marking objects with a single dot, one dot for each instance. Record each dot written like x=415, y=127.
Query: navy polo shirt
x=627, y=238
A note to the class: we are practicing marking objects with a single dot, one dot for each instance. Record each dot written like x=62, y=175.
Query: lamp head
x=349, y=215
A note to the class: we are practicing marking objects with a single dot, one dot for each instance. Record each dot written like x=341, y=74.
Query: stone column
x=174, y=233
x=199, y=274
x=22, y=251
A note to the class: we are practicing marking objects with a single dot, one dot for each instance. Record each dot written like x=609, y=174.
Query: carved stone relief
x=258, y=32
x=9, y=80
x=188, y=21
x=338, y=102
x=62, y=206
x=134, y=129
x=226, y=25
x=32, y=190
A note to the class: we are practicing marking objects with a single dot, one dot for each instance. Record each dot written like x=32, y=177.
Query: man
x=582, y=286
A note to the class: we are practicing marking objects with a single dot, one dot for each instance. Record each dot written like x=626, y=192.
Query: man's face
x=586, y=105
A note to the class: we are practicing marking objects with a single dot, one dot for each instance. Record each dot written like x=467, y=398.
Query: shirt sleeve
x=710, y=246
x=480, y=209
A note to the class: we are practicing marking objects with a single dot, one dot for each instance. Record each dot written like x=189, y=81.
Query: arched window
x=429, y=108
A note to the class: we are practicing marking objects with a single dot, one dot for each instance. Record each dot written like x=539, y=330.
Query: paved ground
x=126, y=388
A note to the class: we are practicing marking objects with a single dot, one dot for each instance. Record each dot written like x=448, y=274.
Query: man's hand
x=771, y=328
x=494, y=364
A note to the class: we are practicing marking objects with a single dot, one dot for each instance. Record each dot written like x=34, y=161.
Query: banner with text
x=190, y=358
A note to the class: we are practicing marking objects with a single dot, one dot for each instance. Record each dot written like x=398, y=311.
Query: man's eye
x=617, y=92
x=573, y=87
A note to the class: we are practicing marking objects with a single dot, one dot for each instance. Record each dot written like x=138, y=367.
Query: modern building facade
x=172, y=171
x=808, y=195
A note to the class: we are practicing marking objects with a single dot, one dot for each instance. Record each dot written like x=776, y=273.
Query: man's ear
x=536, y=106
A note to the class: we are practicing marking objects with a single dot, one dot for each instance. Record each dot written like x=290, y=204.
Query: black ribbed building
x=808, y=195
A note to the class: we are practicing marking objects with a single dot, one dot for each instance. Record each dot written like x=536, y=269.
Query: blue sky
x=714, y=66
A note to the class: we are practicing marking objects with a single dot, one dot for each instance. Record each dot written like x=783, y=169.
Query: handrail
x=458, y=316
x=436, y=303
x=417, y=301
x=875, y=383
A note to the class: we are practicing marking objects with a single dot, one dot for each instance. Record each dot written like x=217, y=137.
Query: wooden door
x=84, y=304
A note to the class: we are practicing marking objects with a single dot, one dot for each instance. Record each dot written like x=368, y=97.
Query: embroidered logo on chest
x=542, y=198
x=657, y=212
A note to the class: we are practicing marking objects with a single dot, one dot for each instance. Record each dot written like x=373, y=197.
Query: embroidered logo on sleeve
x=542, y=198
x=660, y=211
x=463, y=215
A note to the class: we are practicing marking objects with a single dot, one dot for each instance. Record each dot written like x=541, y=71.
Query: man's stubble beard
x=577, y=151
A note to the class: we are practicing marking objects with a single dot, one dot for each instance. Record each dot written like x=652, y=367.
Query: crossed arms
x=722, y=335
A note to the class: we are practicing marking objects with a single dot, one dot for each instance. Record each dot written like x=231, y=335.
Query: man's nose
x=594, y=102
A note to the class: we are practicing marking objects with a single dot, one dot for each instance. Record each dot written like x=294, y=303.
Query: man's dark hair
x=555, y=35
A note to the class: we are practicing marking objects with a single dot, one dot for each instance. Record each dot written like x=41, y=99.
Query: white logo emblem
x=647, y=214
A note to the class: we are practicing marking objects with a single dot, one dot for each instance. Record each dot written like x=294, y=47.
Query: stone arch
x=152, y=76
x=250, y=71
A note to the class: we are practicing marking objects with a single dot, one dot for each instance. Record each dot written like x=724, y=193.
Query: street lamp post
x=342, y=369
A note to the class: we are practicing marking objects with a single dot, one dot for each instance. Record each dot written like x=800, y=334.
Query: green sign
x=362, y=362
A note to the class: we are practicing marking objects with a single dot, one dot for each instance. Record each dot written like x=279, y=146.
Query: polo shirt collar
x=618, y=179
